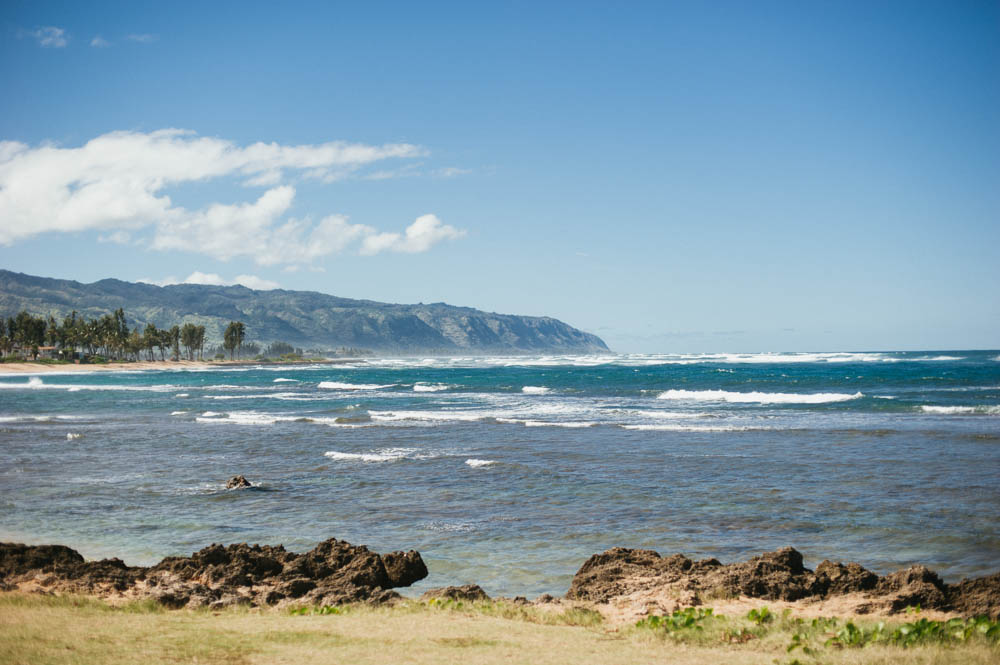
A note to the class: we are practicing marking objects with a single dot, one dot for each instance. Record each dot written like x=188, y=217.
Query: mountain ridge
x=303, y=318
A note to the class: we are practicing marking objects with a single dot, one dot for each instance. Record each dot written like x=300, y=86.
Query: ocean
x=509, y=472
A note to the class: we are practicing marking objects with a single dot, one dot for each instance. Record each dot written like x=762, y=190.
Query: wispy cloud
x=99, y=42
x=118, y=183
x=213, y=279
x=50, y=36
x=450, y=172
x=142, y=38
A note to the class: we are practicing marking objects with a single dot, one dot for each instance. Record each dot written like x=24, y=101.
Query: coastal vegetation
x=109, y=338
x=76, y=629
x=100, y=339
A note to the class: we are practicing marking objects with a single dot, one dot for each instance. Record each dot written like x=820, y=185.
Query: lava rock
x=469, y=592
x=238, y=482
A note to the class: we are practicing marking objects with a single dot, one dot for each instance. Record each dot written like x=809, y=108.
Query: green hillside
x=302, y=318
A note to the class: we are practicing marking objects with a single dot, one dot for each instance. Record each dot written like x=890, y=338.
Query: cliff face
x=302, y=318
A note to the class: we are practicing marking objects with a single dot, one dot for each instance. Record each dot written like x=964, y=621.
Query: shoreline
x=25, y=368
x=622, y=585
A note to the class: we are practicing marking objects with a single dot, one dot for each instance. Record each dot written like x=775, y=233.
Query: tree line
x=109, y=336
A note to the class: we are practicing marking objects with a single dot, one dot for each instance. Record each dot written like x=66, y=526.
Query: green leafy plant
x=690, y=618
x=760, y=616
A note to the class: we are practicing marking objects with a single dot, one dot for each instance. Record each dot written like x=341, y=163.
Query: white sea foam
x=181, y=395
x=756, y=397
x=535, y=390
x=691, y=428
x=73, y=435
x=430, y=387
x=211, y=414
x=282, y=380
x=35, y=383
x=382, y=455
x=297, y=397
x=477, y=463
x=954, y=410
x=235, y=396
x=545, y=423
x=182, y=413
x=337, y=385
x=432, y=416
x=650, y=360
x=673, y=415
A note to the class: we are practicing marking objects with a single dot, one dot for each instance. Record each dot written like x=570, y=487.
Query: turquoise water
x=510, y=472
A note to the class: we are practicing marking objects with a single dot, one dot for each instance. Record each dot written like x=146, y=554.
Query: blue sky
x=724, y=176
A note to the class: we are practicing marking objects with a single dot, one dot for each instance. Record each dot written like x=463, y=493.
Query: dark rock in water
x=470, y=592
x=778, y=575
x=238, y=482
x=334, y=572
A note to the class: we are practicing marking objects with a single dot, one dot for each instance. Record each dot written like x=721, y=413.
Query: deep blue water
x=510, y=472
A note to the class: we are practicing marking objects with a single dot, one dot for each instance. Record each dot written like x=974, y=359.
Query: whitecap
x=955, y=410
x=535, y=390
x=546, y=423
x=691, y=428
x=182, y=413
x=337, y=385
x=757, y=397
x=181, y=395
x=382, y=455
x=73, y=435
x=212, y=414
x=282, y=380
x=430, y=387
x=431, y=416
x=478, y=463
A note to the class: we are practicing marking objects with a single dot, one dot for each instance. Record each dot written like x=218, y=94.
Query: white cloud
x=144, y=38
x=99, y=42
x=213, y=279
x=118, y=183
x=419, y=236
x=51, y=37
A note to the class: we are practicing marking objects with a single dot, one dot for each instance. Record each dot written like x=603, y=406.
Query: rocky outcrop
x=334, y=572
x=468, y=592
x=621, y=573
x=238, y=482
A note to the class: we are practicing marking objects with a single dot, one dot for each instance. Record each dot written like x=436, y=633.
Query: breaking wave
x=381, y=455
x=337, y=385
x=956, y=410
x=756, y=397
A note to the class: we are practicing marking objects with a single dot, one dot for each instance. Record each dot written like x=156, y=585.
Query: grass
x=44, y=630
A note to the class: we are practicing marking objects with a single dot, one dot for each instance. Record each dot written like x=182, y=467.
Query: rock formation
x=334, y=572
x=238, y=482
x=635, y=576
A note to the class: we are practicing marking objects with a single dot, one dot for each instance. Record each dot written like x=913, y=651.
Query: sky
x=672, y=176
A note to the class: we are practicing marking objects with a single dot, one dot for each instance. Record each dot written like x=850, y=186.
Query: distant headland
x=314, y=321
